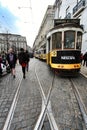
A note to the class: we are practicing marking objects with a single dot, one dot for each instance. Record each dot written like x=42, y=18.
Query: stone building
x=46, y=25
x=12, y=40
x=73, y=9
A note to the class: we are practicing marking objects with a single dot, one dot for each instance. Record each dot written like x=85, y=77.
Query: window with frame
x=79, y=40
x=57, y=40
x=69, y=39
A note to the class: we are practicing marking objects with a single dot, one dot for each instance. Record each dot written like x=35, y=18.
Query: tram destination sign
x=67, y=58
x=62, y=21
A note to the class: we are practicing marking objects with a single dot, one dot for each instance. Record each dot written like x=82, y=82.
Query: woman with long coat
x=23, y=61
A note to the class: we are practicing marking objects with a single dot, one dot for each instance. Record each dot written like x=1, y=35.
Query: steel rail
x=12, y=109
x=46, y=108
x=83, y=74
x=80, y=102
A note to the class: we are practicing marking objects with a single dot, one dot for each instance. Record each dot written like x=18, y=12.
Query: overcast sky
x=23, y=17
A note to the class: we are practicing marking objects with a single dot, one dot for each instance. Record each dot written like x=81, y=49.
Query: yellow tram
x=63, y=46
x=36, y=54
x=42, y=55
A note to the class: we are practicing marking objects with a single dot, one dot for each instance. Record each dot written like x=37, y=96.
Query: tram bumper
x=66, y=67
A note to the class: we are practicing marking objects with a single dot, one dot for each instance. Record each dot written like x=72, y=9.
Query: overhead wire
x=6, y=26
x=31, y=11
x=5, y=20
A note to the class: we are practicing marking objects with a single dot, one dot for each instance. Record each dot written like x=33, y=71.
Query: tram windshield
x=57, y=40
x=69, y=39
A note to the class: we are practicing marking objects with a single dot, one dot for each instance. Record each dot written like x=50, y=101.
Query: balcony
x=78, y=8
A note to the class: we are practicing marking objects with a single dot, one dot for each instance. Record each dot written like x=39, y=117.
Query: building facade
x=46, y=25
x=73, y=9
x=11, y=40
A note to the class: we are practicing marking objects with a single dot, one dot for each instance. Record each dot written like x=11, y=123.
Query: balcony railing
x=79, y=7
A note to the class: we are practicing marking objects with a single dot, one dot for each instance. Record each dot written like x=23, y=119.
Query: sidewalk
x=84, y=70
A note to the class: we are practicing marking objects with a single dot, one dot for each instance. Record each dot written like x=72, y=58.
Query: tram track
x=80, y=101
x=46, y=108
x=12, y=109
x=79, y=97
x=60, y=125
x=9, y=94
x=70, y=117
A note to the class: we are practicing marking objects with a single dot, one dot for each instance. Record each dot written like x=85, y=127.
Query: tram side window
x=79, y=40
x=49, y=44
x=57, y=40
x=69, y=39
x=44, y=51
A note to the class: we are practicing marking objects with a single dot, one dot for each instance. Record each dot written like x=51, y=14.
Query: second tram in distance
x=63, y=48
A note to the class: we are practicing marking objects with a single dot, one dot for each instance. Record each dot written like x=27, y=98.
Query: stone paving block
x=8, y=87
x=28, y=107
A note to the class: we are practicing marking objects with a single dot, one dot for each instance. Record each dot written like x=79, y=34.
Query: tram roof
x=63, y=21
x=66, y=23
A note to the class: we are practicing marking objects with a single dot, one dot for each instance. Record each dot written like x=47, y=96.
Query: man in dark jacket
x=11, y=60
x=85, y=59
x=23, y=61
x=0, y=65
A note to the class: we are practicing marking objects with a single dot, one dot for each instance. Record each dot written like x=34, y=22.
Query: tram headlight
x=54, y=53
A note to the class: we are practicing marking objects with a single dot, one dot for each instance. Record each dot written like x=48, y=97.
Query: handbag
x=23, y=64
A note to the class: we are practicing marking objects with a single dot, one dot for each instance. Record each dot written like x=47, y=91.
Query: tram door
x=48, y=51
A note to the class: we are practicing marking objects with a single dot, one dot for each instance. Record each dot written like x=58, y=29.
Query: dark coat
x=0, y=62
x=85, y=56
x=22, y=57
x=0, y=66
x=28, y=57
x=14, y=58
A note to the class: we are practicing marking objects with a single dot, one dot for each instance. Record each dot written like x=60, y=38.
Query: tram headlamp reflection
x=54, y=53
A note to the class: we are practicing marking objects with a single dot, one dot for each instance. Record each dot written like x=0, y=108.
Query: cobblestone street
x=29, y=102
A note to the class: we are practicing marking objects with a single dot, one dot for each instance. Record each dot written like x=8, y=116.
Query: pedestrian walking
x=23, y=61
x=81, y=57
x=0, y=65
x=28, y=59
x=11, y=60
x=3, y=54
x=85, y=59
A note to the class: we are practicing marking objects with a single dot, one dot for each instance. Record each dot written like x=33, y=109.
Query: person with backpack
x=22, y=56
